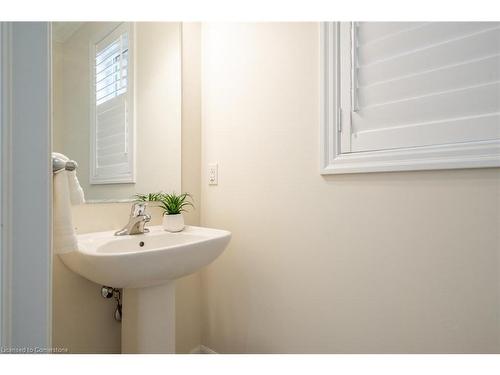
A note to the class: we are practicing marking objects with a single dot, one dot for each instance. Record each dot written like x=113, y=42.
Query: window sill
x=454, y=156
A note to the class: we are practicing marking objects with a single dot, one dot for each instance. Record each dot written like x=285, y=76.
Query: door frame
x=26, y=187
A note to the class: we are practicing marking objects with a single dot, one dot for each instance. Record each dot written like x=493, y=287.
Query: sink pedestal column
x=148, y=322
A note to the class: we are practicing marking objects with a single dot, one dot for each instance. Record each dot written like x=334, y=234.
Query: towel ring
x=59, y=165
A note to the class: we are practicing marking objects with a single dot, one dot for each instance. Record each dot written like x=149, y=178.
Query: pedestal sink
x=145, y=266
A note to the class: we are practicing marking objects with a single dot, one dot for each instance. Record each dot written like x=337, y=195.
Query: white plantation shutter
x=112, y=143
x=421, y=84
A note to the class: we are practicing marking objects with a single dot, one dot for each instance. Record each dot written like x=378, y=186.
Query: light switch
x=213, y=174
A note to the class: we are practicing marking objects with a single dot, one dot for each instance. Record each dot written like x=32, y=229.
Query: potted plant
x=173, y=205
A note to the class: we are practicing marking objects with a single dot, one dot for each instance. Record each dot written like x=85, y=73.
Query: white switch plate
x=213, y=174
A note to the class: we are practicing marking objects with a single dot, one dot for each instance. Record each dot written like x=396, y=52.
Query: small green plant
x=173, y=204
x=150, y=197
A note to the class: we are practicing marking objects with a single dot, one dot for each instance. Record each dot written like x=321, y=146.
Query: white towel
x=66, y=191
x=76, y=194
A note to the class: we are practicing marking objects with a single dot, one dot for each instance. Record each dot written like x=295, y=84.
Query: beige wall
x=188, y=289
x=83, y=320
x=57, y=95
x=364, y=263
x=385, y=262
x=157, y=79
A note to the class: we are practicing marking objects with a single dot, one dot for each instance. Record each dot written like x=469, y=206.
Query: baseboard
x=202, y=349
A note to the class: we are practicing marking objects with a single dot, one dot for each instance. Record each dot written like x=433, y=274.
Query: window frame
x=94, y=178
x=335, y=128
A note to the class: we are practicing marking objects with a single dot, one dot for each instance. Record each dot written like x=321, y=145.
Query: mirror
x=117, y=105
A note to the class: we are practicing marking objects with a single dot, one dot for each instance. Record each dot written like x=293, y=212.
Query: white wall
x=366, y=263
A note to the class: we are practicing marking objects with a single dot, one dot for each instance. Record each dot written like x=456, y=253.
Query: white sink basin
x=145, y=266
x=145, y=259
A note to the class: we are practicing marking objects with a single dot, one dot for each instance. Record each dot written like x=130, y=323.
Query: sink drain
x=141, y=244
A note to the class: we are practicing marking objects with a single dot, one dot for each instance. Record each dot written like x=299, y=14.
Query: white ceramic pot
x=173, y=223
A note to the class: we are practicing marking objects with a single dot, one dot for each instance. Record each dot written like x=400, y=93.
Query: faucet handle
x=138, y=209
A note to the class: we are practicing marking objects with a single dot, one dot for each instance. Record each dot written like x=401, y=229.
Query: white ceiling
x=62, y=31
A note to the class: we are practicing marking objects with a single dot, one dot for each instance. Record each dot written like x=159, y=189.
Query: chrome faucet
x=138, y=218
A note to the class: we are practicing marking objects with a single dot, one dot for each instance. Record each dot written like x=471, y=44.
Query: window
x=409, y=96
x=112, y=144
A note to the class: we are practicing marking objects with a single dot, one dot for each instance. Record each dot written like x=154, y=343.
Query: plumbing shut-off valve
x=109, y=292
